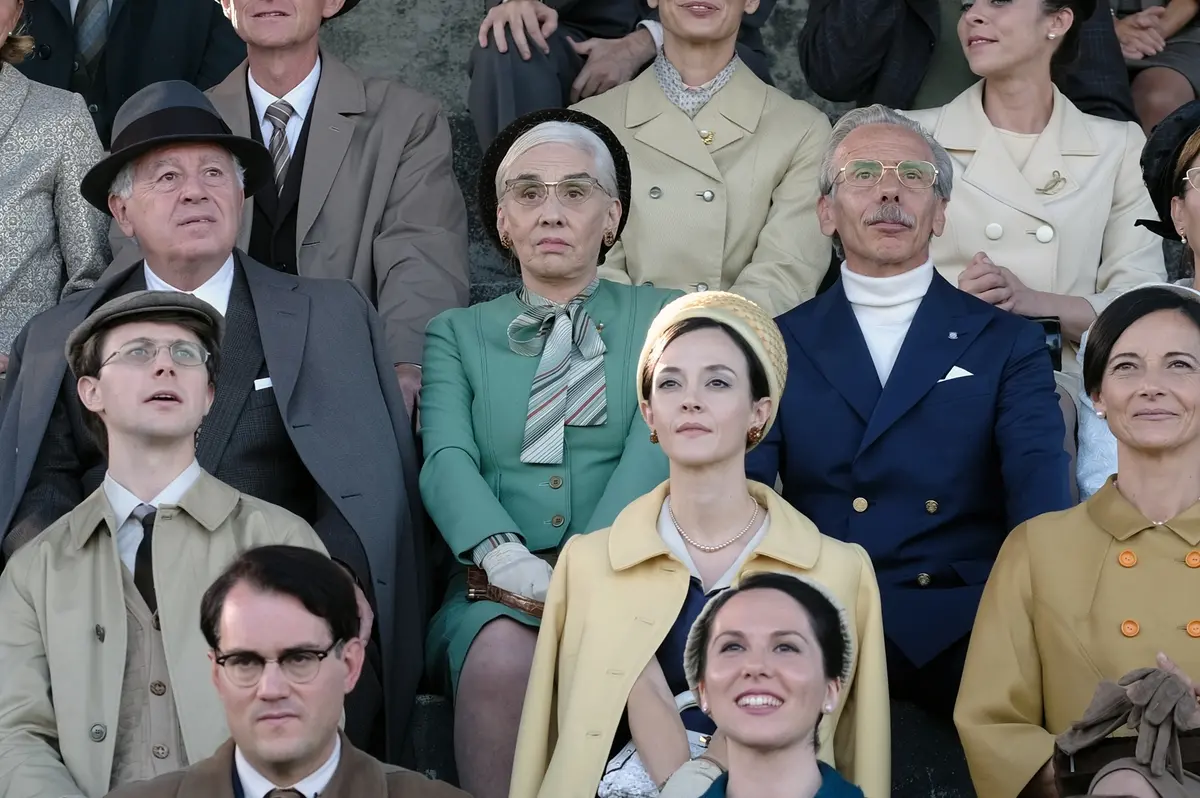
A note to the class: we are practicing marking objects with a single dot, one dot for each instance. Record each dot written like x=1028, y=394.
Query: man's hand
x=609, y=62
x=409, y=377
x=366, y=617
x=1140, y=34
x=525, y=19
x=996, y=285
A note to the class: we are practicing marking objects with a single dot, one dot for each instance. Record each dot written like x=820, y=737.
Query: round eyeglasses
x=298, y=665
x=572, y=191
x=911, y=174
x=141, y=352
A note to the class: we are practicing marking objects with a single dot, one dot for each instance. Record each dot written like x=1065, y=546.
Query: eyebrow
x=713, y=367
x=290, y=650
x=535, y=176
x=1139, y=357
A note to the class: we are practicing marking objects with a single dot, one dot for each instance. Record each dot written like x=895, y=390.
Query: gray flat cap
x=141, y=304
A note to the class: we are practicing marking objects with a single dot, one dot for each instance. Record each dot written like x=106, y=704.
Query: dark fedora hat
x=1160, y=159
x=171, y=112
x=503, y=143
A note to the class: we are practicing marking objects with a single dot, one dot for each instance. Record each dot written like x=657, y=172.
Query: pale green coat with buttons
x=63, y=633
x=474, y=399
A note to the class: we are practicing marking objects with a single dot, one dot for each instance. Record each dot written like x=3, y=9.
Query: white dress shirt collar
x=255, y=785
x=215, y=290
x=300, y=98
x=123, y=503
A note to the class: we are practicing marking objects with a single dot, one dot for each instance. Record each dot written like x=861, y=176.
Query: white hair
x=122, y=184
x=570, y=134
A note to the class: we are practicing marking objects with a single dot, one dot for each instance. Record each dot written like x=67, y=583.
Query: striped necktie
x=278, y=114
x=569, y=386
x=91, y=31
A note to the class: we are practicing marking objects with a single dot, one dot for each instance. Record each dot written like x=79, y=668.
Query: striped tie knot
x=279, y=113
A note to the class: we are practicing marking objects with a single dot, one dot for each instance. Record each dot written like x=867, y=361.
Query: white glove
x=511, y=567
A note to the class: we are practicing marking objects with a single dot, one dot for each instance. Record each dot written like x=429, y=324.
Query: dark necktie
x=143, y=564
x=278, y=793
x=91, y=31
x=278, y=114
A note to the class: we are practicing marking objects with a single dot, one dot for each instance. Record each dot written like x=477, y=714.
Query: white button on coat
x=993, y=231
x=1045, y=234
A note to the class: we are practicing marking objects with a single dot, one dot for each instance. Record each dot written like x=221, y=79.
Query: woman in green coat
x=529, y=418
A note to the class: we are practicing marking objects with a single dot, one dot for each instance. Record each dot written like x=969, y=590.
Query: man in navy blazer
x=917, y=420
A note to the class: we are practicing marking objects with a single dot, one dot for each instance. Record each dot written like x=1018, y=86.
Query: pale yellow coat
x=63, y=633
x=738, y=214
x=1078, y=238
x=1075, y=598
x=615, y=595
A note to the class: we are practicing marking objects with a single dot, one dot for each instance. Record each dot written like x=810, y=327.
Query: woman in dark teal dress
x=767, y=661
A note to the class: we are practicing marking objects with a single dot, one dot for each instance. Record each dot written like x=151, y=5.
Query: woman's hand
x=1140, y=35
x=994, y=284
x=512, y=567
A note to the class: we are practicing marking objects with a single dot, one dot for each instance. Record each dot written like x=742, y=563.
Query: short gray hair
x=882, y=115
x=570, y=134
x=122, y=184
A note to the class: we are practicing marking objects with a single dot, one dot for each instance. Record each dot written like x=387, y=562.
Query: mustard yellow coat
x=1075, y=598
x=615, y=595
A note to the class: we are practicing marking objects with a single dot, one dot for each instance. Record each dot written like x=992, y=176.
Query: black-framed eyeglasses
x=143, y=351
x=572, y=191
x=298, y=665
x=916, y=175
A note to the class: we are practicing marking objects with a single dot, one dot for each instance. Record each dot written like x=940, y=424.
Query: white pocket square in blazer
x=262, y=383
x=955, y=373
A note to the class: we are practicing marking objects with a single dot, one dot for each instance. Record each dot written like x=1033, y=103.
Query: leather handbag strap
x=479, y=589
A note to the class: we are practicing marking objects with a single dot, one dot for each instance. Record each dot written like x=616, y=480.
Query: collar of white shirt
x=255, y=785
x=129, y=533
x=300, y=98
x=215, y=290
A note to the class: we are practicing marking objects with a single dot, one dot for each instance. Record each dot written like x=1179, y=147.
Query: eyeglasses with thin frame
x=1192, y=177
x=917, y=175
x=572, y=191
x=143, y=351
x=298, y=665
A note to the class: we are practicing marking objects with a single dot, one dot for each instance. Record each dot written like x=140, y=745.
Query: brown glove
x=1108, y=711
x=1158, y=697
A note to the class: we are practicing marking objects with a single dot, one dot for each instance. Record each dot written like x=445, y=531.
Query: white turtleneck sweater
x=884, y=308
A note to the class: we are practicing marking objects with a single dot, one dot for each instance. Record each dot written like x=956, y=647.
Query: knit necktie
x=143, y=564
x=569, y=386
x=278, y=114
x=91, y=32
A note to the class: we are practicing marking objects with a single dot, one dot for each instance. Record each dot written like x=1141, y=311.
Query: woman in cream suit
x=1045, y=196
x=609, y=663
x=724, y=169
x=51, y=241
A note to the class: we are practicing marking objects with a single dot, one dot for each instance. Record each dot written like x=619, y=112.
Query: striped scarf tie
x=569, y=388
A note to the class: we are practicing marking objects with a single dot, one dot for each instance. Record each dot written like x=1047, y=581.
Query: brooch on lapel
x=1053, y=185
x=707, y=137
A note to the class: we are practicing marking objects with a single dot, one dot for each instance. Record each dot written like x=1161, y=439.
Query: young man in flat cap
x=307, y=413
x=105, y=672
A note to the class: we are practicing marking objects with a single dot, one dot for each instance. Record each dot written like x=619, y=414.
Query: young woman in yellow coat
x=608, y=666
x=1092, y=593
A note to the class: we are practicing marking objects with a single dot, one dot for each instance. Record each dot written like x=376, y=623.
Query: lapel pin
x=953, y=336
x=599, y=328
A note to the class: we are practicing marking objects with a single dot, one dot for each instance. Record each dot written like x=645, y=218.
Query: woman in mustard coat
x=1092, y=593
x=608, y=668
x=529, y=426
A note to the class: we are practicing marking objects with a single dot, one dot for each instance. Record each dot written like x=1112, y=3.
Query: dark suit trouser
x=505, y=87
x=933, y=686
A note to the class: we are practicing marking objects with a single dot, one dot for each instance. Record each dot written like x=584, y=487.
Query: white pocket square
x=955, y=373
x=263, y=384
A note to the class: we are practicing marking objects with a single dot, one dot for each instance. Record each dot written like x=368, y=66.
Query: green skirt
x=453, y=630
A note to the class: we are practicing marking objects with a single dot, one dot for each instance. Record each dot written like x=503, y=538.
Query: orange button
x=1192, y=559
x=1127, y=559
x=1130, y=628
x=1193, y=629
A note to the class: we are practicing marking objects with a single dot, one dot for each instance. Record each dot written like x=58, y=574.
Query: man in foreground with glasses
x=104, y=674
x=281, y=624
x=917, y=420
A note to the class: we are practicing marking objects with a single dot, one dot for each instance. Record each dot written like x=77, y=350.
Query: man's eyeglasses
x=299, y=665
x=142, y=352
x=911, y=174
x=574, y=191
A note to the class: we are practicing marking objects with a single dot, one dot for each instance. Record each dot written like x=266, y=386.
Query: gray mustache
x=891, y=214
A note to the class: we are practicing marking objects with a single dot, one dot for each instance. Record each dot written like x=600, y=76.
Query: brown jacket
x=357, y=776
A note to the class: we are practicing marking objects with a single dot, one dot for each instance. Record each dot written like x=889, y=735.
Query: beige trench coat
x=63, y=633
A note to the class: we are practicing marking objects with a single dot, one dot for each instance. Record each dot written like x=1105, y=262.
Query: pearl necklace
x=719, y=546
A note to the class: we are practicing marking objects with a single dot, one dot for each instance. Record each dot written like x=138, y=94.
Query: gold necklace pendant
x=707, y=137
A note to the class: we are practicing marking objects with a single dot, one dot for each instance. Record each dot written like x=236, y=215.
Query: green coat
x=474, y=399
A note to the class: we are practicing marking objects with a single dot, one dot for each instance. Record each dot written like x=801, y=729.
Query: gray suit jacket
x=379, y=204
x=337, y=394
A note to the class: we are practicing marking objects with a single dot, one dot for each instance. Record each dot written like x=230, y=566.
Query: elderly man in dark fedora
x=307, y=413
x=363, y=186
x=104, y=666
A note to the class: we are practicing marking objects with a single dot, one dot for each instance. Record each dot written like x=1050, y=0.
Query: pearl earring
x=1099, y=414
x=1051, y=36
x=829, y=709
x=1183, y=238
